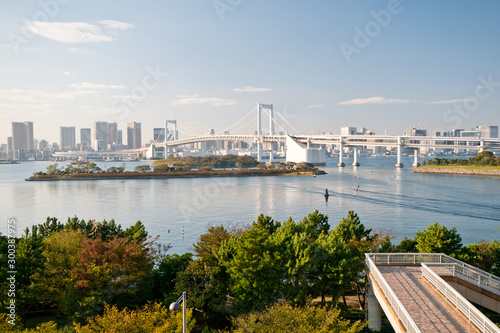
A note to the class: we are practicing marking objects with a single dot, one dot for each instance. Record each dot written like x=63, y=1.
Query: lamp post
x=176, y=306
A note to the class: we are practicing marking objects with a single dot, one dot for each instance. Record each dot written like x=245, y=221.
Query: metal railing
x=395, y=303
x=474, y=315
x=456, y=268
x=472, y=275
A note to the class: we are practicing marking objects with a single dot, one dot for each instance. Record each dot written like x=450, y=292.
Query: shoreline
x=167, y=175
x=458, y=171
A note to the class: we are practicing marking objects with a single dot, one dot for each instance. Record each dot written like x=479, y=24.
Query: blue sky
x=384, y=65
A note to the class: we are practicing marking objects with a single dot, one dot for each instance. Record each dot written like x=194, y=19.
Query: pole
x=184, y=323
x=259, y=131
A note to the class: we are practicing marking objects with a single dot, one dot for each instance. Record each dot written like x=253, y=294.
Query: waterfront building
x=22, y=135
x=100, y=138
x=67, y=137
x=119, y=137
x=134, y=138
x=112, y=135
x=85, y=137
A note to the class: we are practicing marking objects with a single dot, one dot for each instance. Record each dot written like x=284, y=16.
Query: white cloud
x=251, y=89
x=373, y=100
x=73, y=32
x=117, y=25
x=196, y=99
x=76, y=32
x=68, y=73
x=452, y=101
x=41, y=96
x=315, y=106
x=95, y=86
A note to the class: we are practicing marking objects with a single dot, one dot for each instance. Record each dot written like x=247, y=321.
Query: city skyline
x=386, y=65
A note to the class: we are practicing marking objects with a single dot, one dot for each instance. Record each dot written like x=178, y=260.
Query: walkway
x=427, y=306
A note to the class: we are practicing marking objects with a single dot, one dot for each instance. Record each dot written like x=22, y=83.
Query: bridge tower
x=261, y=107
x=171, y=134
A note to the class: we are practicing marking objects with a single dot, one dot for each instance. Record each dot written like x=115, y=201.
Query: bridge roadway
x=430, y=310
x=414, y=297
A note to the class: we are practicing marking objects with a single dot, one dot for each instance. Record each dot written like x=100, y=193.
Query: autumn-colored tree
x=153, y=317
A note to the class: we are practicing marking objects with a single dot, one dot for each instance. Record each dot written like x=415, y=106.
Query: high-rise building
x=112, y=134
x=100, y=141
x=159, y=134
x=488, y=132
x=22, y=135
x=85, y=137
x=119, y=137
x=9, y=147
x=68, y=137
x=414, y=131
x=134, y=139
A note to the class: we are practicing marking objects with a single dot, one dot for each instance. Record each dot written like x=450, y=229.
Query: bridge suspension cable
x=249, y=122
x=239, y=121
x=287, y=123
x=186, y=131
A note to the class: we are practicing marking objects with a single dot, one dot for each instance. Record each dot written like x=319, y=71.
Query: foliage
x=286, y=318
x=439, y=239
x=165, y=276
x=224, y=161
x=153, y=317
x=484, y=158
x=485, y=256
x=142, y=168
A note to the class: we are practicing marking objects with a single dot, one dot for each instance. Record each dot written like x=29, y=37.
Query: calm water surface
x=387, y=199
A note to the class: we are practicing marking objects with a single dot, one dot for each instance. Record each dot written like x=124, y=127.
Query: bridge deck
x=428, y=308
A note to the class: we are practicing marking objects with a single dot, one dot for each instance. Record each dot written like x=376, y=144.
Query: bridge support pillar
x=341, y=152
x=355, y=163
x=374, y=310
x=415, y=160
x=399, y=164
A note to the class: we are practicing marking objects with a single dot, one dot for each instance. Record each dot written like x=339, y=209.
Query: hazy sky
x=384, y=65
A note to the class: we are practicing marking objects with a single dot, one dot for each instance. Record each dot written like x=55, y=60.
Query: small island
x=483, y=164
x=183, y=167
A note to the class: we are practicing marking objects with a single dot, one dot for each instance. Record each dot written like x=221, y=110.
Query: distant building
x=417, y=132
x=159, y=134
x=134, y=137
x=22, y=135
x=112, y=134
x=67, y=137
x=10, y=153
x=85, y=137
x=354, y=131
x=100, y=139
x=488, y=132
x=119, y=138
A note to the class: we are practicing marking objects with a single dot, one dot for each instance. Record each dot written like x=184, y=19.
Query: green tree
x=53, y=169
x=54, y=284
x=205, y=284
x=142, y=168
x=484, y=255
x=165, y=275
x=286, y=318
x=439, y=239
x=251, y=261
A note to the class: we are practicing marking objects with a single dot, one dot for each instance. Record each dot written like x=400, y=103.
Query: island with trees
x=184, y=167
x=483, y=164
x=268, y=276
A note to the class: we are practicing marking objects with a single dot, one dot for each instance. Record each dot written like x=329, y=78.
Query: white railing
x=474, y=315
x=456, y=267
x=472, y=275
x=396, y=305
